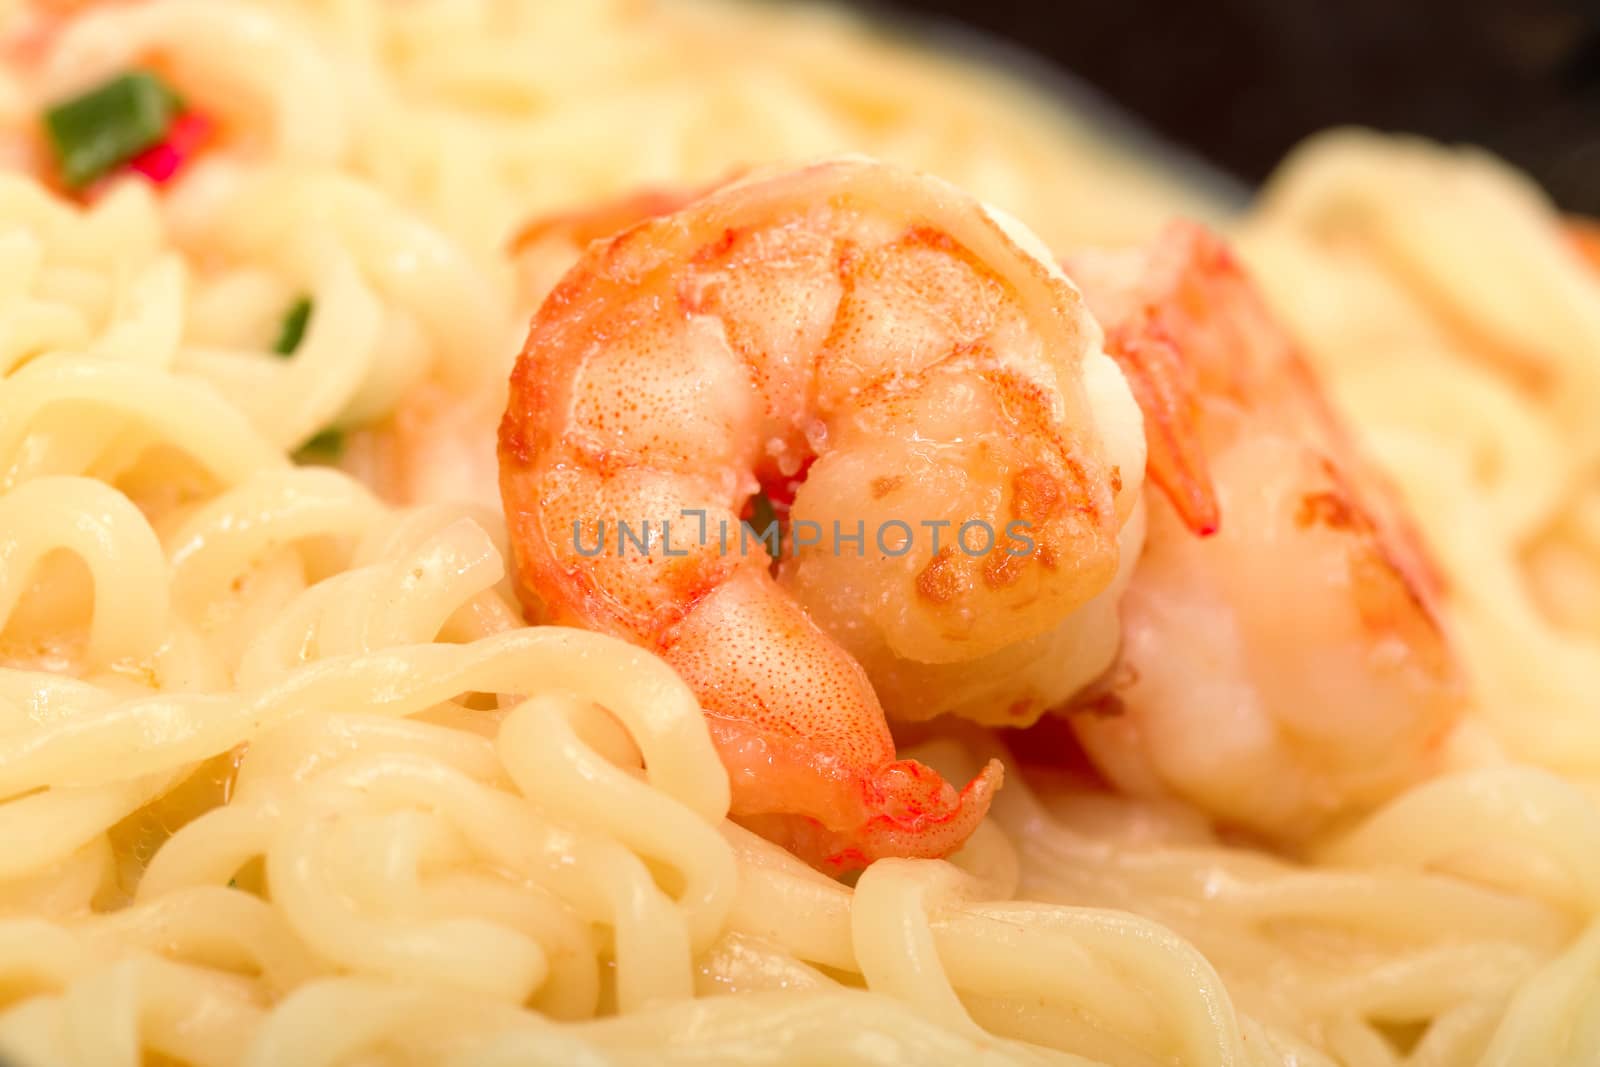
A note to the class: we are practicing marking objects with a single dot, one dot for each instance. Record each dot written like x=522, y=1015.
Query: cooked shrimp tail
x=1183, y=321
x=796, y=721
x=1164, y=384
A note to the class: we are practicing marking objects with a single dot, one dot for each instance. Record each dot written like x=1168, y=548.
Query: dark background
x=1241, y=81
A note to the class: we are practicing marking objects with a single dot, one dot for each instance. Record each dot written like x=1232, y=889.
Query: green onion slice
x=293, y=330
x=325, y=447
x=109, y=125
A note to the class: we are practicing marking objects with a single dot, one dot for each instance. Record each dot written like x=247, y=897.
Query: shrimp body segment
x=880, y=339
x=1292, y=666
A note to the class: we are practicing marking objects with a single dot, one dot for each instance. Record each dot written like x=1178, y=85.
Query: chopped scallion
x=109, y=125
x=325, y=447
x=293, y=330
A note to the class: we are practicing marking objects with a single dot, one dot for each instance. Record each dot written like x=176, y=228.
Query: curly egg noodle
x=285, y=780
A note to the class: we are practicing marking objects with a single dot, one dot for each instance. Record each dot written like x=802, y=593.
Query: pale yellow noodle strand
x=551, y=765
x=187, y=415
x=223, y=538
x=572, y=990
x=1450, y=817
x=210, y=927
x=405, y=599
x=44, y=828
x=115, y=542
x=461, y=951
x=61, y=889
x=147, y=323
x=1178, y=986
x=286, y=757
x=894, y=944
x=290, y=399
x=1551, y=1017
x=659, y=710
x=109, y=1016
x=210, y=850
x=739, y=963
x=39, y=956
x=324, y=1024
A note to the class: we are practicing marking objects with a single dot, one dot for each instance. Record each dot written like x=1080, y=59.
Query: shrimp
x=1284, y=661
x=885, y=356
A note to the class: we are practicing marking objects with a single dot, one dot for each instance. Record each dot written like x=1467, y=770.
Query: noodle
x=285, y=779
